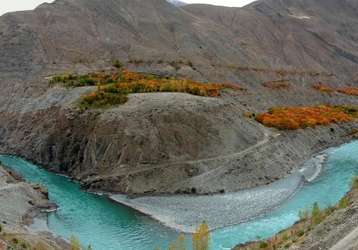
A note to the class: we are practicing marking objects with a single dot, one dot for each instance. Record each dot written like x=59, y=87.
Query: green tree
x=201, y=237
x=317, y=216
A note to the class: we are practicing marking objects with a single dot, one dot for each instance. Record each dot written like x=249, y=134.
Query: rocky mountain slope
x=166, y=143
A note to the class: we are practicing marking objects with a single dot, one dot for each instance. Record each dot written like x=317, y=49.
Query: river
x=105, y=224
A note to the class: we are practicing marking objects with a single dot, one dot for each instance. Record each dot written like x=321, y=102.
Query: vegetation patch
x=321, y=87
x=114, y=88
x=309, y=220
x=281, y=83
x=291, y=118
x=348, y=91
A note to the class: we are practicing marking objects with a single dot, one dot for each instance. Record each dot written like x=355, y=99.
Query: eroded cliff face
x=166, y=143
x=160, y=143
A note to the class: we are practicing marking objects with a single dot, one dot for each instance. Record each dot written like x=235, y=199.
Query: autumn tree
x=75, y=243
x=201, y=237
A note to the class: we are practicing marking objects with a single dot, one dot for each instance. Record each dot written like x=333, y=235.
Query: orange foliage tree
x=291, y=118
x=114, y=88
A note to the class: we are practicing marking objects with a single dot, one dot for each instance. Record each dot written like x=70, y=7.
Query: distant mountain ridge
x=177, y=3
x=267, y=34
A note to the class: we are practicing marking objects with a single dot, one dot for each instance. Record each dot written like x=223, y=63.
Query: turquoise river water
x=107, y=225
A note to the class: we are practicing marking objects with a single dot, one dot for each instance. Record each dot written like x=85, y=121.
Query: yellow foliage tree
x=180, y=245
x=75, y=243
x=201, y=237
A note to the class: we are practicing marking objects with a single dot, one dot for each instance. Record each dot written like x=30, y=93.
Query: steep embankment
x=335, y=230
x=159, y=143
x=163, y=142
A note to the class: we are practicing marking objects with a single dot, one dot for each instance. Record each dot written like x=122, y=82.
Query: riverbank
x=23, y=203
x=185, y=212
x=337, y=231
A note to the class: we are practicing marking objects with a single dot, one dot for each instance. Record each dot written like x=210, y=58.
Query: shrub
x=300, y=233
x=285, y=118
x=322, y=87
x=193, y=190
x=117, y=64
x=281, y=83
x=354, y=185
x=348, y=91
x=247, y=114
x=343, y=203
x=264, y=245
x=328, y=209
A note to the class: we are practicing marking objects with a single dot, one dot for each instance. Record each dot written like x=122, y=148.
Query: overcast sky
x=15, y=5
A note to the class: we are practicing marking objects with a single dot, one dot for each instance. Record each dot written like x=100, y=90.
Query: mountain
x=269, y=34
x=162, y=143
x=177, y=3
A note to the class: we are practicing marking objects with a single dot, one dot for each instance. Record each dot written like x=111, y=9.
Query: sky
x=16, y=5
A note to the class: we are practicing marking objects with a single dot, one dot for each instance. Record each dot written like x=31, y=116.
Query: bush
x=291, y=118
x=264, y=245
x=328, y=209
x=300, y=233
x=117, y=64
x=343, y=203
x=354, y=182
x=193, y=190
